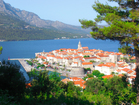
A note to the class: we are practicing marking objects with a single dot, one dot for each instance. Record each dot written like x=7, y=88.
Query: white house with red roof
x=107, y=68
x=75, y=58
x=88, y=65
x=88, y=59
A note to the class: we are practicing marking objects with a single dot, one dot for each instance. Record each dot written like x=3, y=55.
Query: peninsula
x=83, y=60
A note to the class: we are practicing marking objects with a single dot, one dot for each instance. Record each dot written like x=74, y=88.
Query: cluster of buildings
x=103, y=61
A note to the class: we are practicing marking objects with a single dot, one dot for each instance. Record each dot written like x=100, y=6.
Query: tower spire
x=79, y=45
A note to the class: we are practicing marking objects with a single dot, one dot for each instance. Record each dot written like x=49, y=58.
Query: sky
x=66, y=11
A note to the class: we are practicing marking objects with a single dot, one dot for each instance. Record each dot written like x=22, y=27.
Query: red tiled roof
x=28, y=85
x=87, y=63
x=90, y=58
x=107, y=76
x=132, y=77
x=120, y=75
x=130, y=71
x=125, y=69
x=65, y=80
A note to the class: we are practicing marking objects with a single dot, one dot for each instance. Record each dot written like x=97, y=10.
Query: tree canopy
x=122, y=23
x=123, y=26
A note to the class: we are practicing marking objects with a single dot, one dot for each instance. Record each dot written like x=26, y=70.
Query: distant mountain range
x=32, y=21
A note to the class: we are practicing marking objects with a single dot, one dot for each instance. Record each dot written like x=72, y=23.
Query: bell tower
x=79, y=45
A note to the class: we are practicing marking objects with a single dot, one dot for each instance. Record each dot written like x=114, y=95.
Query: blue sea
x=27, y=49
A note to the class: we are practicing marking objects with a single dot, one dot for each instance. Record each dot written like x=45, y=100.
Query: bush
x=11, y=79
x=29, y=62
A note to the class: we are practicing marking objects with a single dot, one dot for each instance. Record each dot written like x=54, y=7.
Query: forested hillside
x=12, y=29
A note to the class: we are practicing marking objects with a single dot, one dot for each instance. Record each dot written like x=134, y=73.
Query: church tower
x=79, y=45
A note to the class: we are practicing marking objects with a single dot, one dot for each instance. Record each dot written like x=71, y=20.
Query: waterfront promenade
x=25, y=65
x=29, y=67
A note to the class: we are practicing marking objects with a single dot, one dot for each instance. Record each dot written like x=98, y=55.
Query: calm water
x=27, y=49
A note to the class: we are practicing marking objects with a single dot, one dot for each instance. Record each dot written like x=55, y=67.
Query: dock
x=29, y=67
x=23, y=63
x=18, y=58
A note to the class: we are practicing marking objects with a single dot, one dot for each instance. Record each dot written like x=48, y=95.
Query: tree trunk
x=137, y=75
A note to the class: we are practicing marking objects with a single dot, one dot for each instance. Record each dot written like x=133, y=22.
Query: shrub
x=11, y=79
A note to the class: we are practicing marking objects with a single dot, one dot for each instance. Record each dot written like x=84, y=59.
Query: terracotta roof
x=45, y=63
x=28, y=85
x=132, y=77
x=133, y=57
x=133, y=69
x=77, y=57
x=87, y=53
x=125, y=69
x=130, y=71
x=90, y=58
x=78, y=81
x=84, y=47
x=65, y=80
x=50, y=55
x=58, y=57
x=103, y=55
x=39, y=56
x=107, y=76
x=87, y=63
x=107, y=65
x=118, y=70
x=75, y=62
x=120, y=75
x=100, y=65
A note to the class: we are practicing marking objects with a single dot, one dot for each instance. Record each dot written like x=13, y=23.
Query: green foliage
x=93, y=61
x=11, y=79
x=13, y=29
x=96, y=73
x=29, y=62
x=1, y=49
x=41, y=85
x=5, y=99
x=127, y=95
x=116, y=83
x=101, y=99
x=54, y=76
x=86, y=56
x=120, y=27
x=73, y=91
x=87, y=69
x=49, y=90
x=123, y=26
x=95, y=85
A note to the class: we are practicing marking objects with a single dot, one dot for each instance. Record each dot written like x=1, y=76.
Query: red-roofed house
x=131, y=79
x=78, y=82
x=88, y=65
x=107, y=68
x=85, y=48
x=107, y=76
x=88, y=59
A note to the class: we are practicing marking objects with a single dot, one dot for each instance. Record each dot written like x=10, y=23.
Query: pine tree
x=123, y=26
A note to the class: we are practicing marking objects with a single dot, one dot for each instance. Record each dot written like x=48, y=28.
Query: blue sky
x=66, y=11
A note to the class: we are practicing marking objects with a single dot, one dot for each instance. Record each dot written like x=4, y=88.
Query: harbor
x=28, y=68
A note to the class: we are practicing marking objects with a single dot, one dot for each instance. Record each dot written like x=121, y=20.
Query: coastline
x=29, y=67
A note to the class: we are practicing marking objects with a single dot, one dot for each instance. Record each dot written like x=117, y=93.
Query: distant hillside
x=35, y=20
x=12, y=29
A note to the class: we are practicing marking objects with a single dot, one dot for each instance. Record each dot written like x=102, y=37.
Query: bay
x=27, y=49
